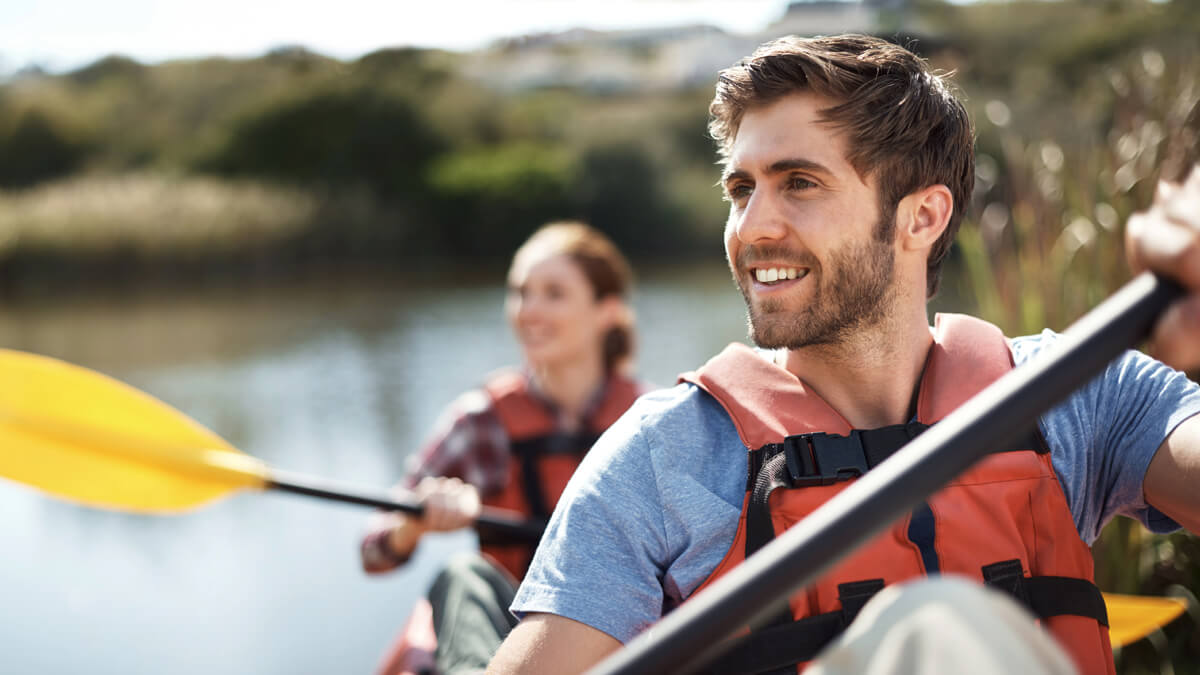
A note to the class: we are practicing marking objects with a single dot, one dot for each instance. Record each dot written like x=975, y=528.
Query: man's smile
x=773, y=275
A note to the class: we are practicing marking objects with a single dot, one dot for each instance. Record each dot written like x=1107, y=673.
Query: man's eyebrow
x=781, y=166
x=731, y=174
x=793, y=164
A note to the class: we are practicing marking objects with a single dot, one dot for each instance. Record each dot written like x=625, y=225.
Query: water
x=338, y=380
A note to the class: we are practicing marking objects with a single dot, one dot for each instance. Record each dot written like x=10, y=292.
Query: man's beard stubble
x=855, y=291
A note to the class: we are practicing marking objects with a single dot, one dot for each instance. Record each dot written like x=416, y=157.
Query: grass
x=151, y=214
x=1043, y=244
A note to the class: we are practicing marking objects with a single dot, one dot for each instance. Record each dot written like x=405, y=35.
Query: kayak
x=1130, y=618
x=412, y=652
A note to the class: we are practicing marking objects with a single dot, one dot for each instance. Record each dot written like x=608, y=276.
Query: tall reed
x=1043, y=243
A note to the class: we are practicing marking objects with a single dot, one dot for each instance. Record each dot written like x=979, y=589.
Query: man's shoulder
x=681, y=403
x=667, y=422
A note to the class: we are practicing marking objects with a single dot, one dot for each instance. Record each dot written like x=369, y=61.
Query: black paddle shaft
x=493, y=525
x=691, y=636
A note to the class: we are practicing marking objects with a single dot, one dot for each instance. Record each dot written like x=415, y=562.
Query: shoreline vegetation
x=266, y=167
x=260, y=171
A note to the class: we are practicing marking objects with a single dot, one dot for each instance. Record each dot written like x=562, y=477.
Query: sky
x=60, y=35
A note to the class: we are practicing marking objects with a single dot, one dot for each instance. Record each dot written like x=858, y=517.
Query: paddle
x=1133, y=617
x=88, y=438
x=692, y=635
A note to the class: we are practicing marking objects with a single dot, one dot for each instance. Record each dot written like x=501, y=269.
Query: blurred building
x=670, y=58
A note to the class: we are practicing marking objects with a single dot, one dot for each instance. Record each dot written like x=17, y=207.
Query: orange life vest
x=1004, y=522
x=543, y=460
x=543, y=457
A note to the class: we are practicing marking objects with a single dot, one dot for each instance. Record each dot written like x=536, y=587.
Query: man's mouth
x=774, y=275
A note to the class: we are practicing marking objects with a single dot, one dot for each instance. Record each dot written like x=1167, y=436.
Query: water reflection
x=338, y=380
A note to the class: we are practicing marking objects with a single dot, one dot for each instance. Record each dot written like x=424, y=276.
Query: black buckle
x=824, y=459
x=1007, y=576
x=854, y=595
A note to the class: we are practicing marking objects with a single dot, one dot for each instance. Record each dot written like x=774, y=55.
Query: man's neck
x=871, y=378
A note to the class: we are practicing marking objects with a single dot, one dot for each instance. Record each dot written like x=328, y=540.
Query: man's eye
x=738, y=192
x=800, y=183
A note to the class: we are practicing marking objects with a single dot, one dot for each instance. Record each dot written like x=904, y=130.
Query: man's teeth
x=771, y=274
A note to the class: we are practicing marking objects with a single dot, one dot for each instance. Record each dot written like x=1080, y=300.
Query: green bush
x=352, y=137
x=490, y=199
x=35, y=147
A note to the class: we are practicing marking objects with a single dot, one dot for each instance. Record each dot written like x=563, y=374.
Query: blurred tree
x=352, y=137
x=622, y=191
x=114, y=67
x=35, y=147
x=489, y=200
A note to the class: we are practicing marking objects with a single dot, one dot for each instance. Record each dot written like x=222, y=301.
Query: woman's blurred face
x=553, y=310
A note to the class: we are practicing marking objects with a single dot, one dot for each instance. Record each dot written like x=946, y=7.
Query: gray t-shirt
x=654, y=507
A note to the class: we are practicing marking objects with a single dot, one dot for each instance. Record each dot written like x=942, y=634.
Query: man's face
x=805, y=240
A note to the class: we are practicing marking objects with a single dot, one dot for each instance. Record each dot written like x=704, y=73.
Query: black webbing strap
x=759, y=529
x=821, y=459
x=530, y=450
x=1047, y=596
x=780, y=647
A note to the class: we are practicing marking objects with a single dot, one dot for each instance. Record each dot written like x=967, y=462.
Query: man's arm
x=547, y=643
x=1166, y=239
x=1172, y=482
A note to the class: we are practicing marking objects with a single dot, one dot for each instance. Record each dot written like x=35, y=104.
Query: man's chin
x=769, y=334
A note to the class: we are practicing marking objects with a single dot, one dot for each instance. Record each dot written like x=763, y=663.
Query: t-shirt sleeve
x=602, y=557
x=1105, y=434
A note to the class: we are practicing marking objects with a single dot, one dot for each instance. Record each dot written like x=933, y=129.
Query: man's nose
x=761, y=220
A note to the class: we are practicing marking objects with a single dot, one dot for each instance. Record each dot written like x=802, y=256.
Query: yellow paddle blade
x=88, y=438
x=1133, y=617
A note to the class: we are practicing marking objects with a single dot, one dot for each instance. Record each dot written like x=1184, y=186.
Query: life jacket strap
x=1047, y=596
x=807, y=460
x=821, y=459
x=824, y=459
x=778, y=648
x=530, y=450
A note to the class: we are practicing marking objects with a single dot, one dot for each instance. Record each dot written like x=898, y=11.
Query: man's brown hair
x=903, y=124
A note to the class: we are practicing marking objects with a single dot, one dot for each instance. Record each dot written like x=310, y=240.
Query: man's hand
x=1166, y=239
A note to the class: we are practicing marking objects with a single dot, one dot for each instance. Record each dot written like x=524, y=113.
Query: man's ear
x=922, y=216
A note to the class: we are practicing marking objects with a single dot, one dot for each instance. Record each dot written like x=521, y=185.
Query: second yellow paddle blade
x=1133, y=617
x=88, y=438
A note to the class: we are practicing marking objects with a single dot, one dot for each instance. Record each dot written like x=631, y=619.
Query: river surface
x=336, y=379
x=340, y=380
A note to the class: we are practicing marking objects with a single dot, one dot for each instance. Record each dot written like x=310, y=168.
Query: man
x=847, y=168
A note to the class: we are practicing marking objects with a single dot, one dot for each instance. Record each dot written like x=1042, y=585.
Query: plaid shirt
x=468, y=442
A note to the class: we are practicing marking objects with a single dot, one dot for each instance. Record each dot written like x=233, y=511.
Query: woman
x=514, y=442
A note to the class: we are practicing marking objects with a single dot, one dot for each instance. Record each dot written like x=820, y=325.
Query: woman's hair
x=606, y=270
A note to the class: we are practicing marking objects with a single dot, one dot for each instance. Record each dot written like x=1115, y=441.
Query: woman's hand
x=450, y=504
x=1166, y=239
